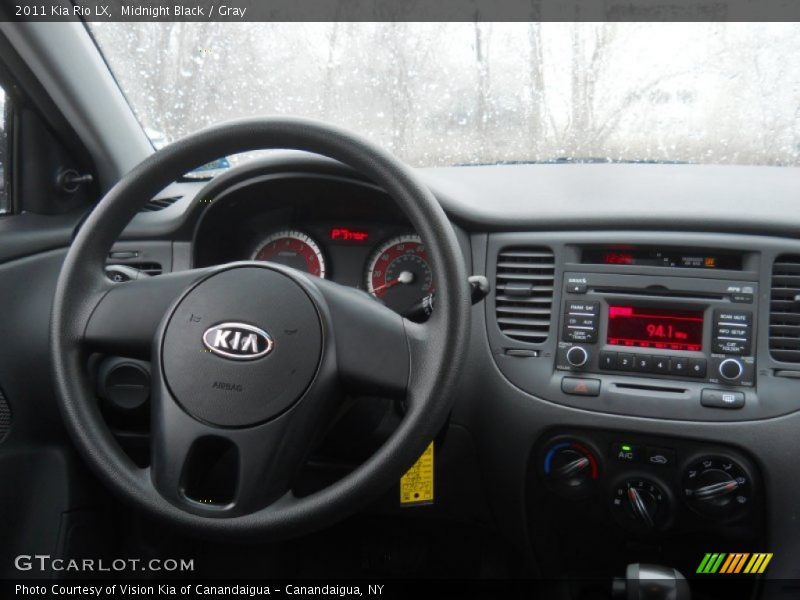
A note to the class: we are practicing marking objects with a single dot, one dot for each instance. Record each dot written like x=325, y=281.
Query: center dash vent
x=524, y=302
x=159, y=204
x=784, y=309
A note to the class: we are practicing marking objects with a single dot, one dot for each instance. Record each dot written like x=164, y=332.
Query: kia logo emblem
x=238, y=341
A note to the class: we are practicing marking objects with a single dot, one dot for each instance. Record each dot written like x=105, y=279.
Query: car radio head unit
x=689, y=328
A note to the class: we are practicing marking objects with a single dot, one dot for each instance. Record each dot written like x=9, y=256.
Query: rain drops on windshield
x=467, y=93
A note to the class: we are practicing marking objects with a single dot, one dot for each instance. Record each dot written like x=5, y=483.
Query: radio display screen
x=642, y=327
x=679, y=258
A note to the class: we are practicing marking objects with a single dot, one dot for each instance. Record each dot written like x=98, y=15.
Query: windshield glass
x=470, y=93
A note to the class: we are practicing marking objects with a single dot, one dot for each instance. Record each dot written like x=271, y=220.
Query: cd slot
x=635, y=387
x=660, y=293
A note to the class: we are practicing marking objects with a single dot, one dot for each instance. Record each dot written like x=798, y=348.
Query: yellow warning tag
x=416, y=486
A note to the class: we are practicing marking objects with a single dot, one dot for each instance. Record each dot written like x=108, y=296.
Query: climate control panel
x=650, y=485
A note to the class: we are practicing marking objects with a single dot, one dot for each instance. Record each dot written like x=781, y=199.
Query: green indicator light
x=627, y=448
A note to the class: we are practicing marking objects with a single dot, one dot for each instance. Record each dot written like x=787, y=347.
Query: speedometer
x=294, y=249
x=399, y=274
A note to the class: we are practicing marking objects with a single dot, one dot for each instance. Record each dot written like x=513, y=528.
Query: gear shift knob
x=651, y=582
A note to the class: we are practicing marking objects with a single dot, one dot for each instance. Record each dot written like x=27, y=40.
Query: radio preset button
x=697, y=367
x=625, y=361
x=642, y=364
x=660, y=364
x=679, y=366
x=608, y=360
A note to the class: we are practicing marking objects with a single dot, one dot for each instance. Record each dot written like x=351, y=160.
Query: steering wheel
x=250, y=359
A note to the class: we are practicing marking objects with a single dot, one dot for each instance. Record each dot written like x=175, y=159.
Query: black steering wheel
x=252, y=357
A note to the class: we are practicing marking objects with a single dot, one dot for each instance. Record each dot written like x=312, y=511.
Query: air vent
x=150, y=268
x=784, y=309
x=524, y=301
x=160, y=204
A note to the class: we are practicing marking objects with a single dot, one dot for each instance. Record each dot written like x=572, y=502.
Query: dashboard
x=631, y=387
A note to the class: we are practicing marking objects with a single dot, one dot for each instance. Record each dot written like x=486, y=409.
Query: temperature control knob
x=716, y=486
x=641, y=504
x=577, y=356
x=570, y=468
x=730, y=369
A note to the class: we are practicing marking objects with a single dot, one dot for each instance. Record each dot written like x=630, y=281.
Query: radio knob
x=577, y=356
x=730, y=369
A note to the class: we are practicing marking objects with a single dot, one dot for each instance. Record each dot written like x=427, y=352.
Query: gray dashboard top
x=542, y=197
x=649, y=196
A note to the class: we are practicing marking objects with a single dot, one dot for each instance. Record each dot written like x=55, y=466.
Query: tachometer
x=399, y=274
x=294, y=249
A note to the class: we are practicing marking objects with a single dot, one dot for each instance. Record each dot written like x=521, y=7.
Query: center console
x=676, y=330
x=640, y=355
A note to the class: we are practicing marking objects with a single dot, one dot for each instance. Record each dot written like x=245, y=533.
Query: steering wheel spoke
x=372, y=351
x=126, y=317
x=225, y=472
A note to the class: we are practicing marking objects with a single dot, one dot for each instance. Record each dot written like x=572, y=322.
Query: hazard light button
x=580, y=386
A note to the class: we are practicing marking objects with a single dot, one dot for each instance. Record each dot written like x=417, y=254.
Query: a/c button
x=625, y=452
x=580, y=386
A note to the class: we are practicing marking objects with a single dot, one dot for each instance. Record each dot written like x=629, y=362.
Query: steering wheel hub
x=223, y=321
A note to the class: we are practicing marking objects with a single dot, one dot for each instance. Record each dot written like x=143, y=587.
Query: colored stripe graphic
x=711, y=562
x=735, y=562
x=758, y=563
x=717, y=563
x=765, y=563
x=738, y=563
x=727, y=564
x=703, y=563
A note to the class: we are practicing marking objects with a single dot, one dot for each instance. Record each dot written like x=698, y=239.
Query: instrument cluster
x=342, y=230
x=395, y=270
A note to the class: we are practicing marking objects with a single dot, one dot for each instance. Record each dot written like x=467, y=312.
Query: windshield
x=472, y=93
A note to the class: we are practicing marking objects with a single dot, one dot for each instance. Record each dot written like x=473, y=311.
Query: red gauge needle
x=405, y=278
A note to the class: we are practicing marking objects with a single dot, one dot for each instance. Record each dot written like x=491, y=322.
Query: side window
x=4, y=153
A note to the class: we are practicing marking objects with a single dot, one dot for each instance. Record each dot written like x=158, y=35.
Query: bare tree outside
x=468, y=93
